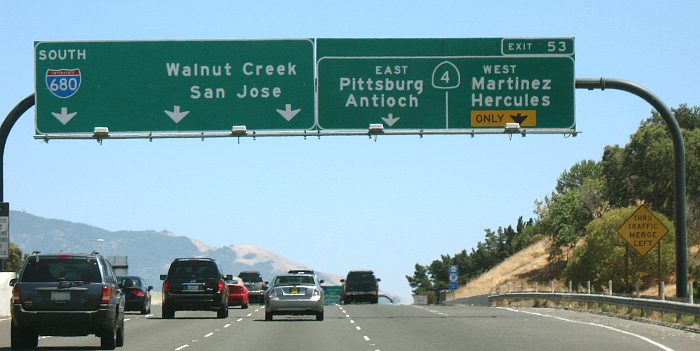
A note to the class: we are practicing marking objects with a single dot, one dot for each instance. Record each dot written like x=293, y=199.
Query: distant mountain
x=149, y=252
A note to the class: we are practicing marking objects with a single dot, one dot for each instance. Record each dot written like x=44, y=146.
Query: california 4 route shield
x=63, y=83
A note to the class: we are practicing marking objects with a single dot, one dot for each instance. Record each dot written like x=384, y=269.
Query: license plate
x=60, y=296
x=295, y=291
x=192, y=288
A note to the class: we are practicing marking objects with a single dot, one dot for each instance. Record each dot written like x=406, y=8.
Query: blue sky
x=337, y=203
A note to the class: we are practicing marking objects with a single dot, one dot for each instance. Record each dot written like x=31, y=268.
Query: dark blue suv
x=66, y=294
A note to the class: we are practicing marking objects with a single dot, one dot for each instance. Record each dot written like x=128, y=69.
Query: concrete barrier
x=5, y=293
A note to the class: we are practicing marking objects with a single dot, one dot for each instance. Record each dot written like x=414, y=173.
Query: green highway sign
x=174, y=86
x=445, y=84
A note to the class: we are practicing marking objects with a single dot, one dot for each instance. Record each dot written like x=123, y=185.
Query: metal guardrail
x=665, y=306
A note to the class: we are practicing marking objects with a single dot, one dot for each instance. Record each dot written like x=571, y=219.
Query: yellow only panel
x=499, y=118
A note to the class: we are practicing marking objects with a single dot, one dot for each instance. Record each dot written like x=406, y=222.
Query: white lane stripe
x=208, y=335
x=127, y=319
x=182, y=347
x=352, y=321
x=148, y=315
x=227, y=325
x=249, y=314
x=366, y=338
x=347, y=315
x=239, y=319
x=358, y=327
x=659, y=345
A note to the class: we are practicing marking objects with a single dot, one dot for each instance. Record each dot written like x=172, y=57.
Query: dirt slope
x=530, y=266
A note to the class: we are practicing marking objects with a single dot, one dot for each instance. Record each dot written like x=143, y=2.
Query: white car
x=294, y=294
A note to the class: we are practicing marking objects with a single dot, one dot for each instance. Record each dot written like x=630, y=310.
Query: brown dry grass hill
x=530, y=266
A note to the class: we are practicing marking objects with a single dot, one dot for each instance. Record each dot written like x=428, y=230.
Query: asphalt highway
x=384, y=327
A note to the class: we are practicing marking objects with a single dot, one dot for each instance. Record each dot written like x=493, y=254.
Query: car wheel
x=319, y=316
x=244, y=306
x=120, y=334
x=108, y=339
x=168, y=312
x=20, y=339
x=268, y=316
x=222, y=312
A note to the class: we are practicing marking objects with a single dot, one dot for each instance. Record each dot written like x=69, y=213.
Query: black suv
x=360, y=286
x=195, y=284
x=66, y=294
x=253, y=281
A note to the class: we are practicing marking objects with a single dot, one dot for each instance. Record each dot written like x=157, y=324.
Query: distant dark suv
x=66, y=295
x=360, y=286
x=253, y=281
x=195, y=284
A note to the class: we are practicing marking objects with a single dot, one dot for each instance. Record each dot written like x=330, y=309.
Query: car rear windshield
x=360, y=278
x=294, y=279
x=129, y=282
x=55, y=270
x=250, y=277
x=193, y=269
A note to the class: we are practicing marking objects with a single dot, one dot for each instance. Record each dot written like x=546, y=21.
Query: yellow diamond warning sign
x=642, y=230
x=499, y=118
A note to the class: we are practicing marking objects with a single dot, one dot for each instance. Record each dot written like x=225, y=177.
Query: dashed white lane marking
x=227, y=325
x=127, y=319
x=208, y=335
x=347, y=315
x=358, y=327
x=366, y=337
x=352, y=321
x=239, y=319
x=182, y=347
x=659, y=345
x=148, y=315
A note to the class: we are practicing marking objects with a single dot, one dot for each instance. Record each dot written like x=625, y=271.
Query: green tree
x=15, y=259
x=643, y=169
x=420, y=282
x=602, y=256
x=578, y=200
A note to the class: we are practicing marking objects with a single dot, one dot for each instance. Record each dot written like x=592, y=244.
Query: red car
x=237, y=293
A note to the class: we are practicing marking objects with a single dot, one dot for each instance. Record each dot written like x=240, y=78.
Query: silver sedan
x=295, y=294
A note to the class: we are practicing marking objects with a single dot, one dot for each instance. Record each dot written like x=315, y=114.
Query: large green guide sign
x=174, y=85
x=445, y=83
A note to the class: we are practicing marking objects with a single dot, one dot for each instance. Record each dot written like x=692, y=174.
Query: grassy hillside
x=530, y=266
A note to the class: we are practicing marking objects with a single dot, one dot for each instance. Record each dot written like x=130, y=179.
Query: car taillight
x=136, y=292
x=166, y=287
x=317, y=292
x=221, y=285
x=15, y=294
x=106, y=295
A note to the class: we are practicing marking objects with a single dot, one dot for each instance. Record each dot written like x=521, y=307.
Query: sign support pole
x=679, y=218
x=7, y=125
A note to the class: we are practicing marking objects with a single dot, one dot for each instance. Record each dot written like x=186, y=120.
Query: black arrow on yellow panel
x=519, y=118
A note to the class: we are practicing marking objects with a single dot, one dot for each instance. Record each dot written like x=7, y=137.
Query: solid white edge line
x=659, y=345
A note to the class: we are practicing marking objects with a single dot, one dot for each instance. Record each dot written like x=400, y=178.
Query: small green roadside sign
x=430, y=84
x=174, y=86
